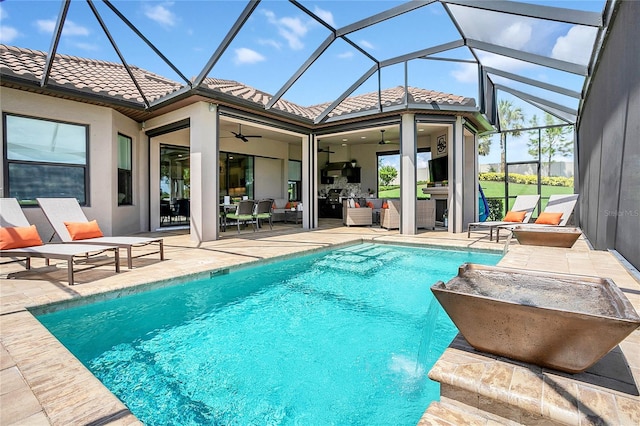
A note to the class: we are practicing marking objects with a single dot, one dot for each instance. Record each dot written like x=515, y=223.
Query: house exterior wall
x=609, y=142
x=104, y=125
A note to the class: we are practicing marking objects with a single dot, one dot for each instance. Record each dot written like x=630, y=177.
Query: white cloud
x=516, y=35
x=69, y=28
x=87, y=46
x=345, y=55
x=575, y=46
x=325, y=15
x=8, y=34
x=247, y=56
x=270, y=42
x=466, y=73
x=366, y=44
x=161, y=14
x=289, y=28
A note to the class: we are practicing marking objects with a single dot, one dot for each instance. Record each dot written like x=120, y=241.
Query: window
x=236, y=175
x=125, y=184
x=389, y=173
x=294, y=185
x=45, y=158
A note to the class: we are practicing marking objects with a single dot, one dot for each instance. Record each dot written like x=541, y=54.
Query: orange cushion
x=514, y=216
x=548, y=218
x=83, y=230
x=369, y=204
x=385, y=205
x=357, y=205
x=288, y=205
x=18, y=237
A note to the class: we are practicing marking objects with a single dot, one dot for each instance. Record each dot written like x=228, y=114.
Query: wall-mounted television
x=439, y=169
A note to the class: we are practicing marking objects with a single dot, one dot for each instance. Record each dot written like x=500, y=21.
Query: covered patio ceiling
x=530, y=53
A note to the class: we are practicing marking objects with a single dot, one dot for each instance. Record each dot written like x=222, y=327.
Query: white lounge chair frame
x=558, y=203
x=525, y=203
x=11, y=215
x=60, y=210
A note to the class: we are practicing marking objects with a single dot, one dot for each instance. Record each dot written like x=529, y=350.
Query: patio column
x=309, y=182
x=204, y=172
x=408, y=154
x=456, y=173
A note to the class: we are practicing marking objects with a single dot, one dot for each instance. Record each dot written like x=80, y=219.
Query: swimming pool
x=338, y=337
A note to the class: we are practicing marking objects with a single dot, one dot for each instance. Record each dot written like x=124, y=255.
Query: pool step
x=448, y=412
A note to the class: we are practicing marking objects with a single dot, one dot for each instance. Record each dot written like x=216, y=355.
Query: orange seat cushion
x=514, y=216
x=83, y=230
x=385, y=205
x=18, y=237
x=548, y=218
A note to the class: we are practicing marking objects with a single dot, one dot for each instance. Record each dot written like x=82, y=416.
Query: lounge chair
x=12, y=216
x=563, y=204
x=61, y=210
x=523, y=203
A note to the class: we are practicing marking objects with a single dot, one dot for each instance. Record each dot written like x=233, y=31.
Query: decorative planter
x=565, y=322
x=546, y=236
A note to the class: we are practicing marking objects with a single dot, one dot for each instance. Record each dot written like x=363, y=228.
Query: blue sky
x=278, y=38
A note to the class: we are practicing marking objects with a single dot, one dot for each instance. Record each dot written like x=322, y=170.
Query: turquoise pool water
x=342, y=337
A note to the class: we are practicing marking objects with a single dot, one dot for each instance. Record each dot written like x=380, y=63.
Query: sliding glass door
x=175, y=184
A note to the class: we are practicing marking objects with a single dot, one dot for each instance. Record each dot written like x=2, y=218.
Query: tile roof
x=111, y=80
x=85, y=75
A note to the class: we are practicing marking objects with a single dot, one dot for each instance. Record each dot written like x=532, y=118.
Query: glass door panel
x=175, y=183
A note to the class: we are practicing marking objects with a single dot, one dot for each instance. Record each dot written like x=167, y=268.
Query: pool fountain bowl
x=560, y=321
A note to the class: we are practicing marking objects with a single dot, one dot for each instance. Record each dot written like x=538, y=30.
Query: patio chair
x=390, y=216
x=523, y=203
x=14, y=223
x=263, y=211
x=61, y=210
x=244, y=213
x=356, y=216
x=558, y=203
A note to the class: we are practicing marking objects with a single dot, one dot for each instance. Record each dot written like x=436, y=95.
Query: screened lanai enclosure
x=523, y=76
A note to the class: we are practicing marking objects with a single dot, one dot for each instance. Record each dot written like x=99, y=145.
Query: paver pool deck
x=42, y=383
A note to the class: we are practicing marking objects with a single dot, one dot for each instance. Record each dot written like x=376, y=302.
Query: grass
x=495, y=190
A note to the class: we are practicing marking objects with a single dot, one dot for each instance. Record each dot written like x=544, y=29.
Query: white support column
x=309, y=182
x=456, y=172
x=408, y=154
x=204, y=172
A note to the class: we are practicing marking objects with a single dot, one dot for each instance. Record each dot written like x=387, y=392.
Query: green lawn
x=496, y=190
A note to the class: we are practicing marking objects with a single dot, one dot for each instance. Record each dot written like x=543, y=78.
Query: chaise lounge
x=524, y=204
x=20, y=239
x=65, y=214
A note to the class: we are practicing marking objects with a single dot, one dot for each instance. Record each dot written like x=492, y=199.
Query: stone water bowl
x=565, y=322
x=551, y=236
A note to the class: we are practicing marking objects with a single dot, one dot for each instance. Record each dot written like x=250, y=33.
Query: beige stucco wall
x=104, y=125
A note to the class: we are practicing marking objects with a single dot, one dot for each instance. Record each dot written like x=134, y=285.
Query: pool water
x=342, y=337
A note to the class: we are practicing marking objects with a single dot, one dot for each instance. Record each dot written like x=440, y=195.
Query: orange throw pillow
x=357, y=205
x=18, y=237
x=83, y=230
x=547, y=218
x=385, y=205
x=514, y=216
x=369, y=204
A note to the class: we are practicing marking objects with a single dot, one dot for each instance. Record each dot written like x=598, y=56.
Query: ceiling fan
x=382, y=141
x=242, y=137
x=327, y=150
